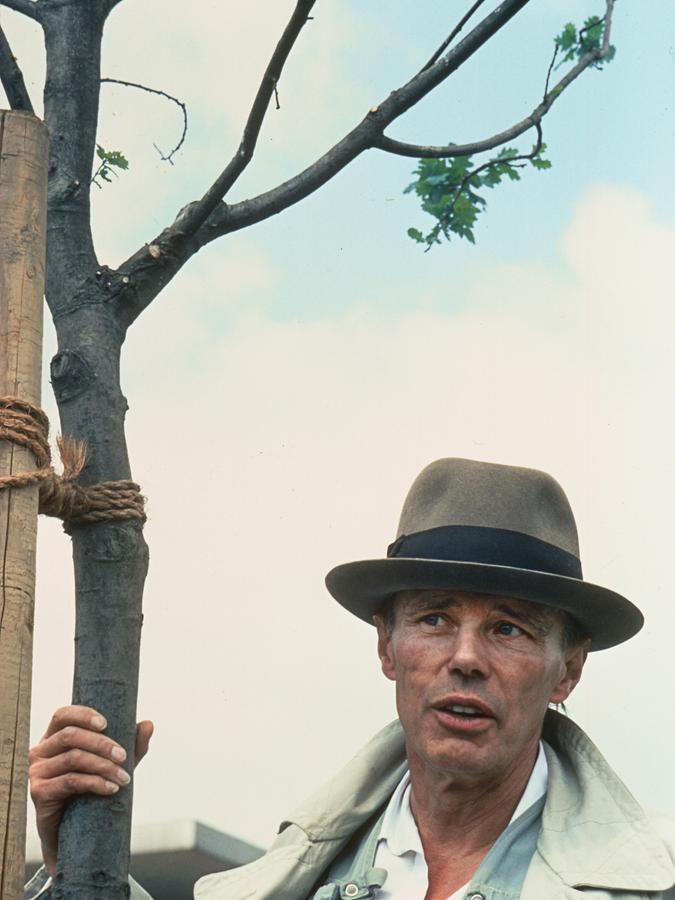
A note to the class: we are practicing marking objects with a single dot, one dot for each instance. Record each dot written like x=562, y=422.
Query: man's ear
x=384, y=648
x=572, y=667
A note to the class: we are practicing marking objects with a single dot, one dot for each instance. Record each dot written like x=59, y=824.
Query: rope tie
x=26, y=425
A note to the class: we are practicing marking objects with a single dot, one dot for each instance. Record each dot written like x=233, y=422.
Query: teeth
x=470, y=710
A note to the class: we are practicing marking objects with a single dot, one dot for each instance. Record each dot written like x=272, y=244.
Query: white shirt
x=399, y=848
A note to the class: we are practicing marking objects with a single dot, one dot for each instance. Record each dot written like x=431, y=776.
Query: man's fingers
x=80, y=716
x=73, y=738
x=56, y=790
x=75, y=757
x=78, y=762
x=144, y=732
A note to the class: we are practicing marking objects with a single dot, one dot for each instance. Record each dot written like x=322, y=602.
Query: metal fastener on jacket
x=351, y=890
x=476, y=897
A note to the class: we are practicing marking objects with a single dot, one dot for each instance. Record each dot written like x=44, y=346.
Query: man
x=481, y=791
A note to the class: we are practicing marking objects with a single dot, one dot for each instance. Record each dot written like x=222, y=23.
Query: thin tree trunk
x=110, y=559
x=23, y=214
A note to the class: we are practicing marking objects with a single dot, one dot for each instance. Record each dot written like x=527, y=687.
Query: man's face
x=474, y=676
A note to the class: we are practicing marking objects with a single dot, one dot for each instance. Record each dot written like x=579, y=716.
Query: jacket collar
x=594, y=833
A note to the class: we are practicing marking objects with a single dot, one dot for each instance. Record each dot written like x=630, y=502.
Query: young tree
x=93, y=306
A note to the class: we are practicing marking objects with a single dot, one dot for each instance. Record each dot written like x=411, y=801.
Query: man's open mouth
x=464, y=713
x=469, y=712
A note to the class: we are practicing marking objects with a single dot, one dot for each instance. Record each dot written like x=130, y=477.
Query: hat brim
x=364, y=587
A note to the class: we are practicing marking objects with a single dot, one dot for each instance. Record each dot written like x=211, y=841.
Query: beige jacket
x=596, y=843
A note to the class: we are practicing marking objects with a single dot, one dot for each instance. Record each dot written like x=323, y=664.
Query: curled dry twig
x=142, y=87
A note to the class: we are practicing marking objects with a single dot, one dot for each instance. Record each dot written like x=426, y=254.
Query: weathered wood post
x=23, y=214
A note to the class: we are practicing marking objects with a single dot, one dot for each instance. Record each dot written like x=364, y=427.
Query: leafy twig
x=110, y=160
x=426, y=151
x=449, y=189
x=575, y=44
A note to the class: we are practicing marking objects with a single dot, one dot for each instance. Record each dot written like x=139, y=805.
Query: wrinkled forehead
x=416, y=601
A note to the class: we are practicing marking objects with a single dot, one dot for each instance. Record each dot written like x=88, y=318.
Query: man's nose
x=468, y=655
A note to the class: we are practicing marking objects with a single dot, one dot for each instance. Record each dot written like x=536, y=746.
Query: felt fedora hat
x=493, y=529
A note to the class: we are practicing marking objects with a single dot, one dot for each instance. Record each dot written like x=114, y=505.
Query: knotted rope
x=24, y=424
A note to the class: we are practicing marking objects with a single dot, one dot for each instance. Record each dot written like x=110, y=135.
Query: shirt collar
x=398, y=826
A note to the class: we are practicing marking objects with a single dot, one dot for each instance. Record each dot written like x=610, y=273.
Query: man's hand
x=74, y=757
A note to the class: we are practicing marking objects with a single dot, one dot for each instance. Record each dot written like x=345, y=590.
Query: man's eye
x=433, y=619
x=508, y=629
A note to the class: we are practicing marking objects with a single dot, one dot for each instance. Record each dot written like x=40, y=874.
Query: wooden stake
x=23, y=215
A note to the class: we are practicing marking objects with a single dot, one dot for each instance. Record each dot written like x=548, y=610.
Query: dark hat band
x=487, y=546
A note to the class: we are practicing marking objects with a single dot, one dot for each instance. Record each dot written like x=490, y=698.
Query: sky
x=291, y=382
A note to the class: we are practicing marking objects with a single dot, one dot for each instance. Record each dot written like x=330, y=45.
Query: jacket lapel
x=593, y=834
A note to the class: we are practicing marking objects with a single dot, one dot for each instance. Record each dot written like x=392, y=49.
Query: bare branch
x=367, y=134
x=453, y=34
x=550, y=70
x=12, y=77
x=200, y=211
x=143, y=87
x=27, y=7
x=154, y=264
x=425, y=151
